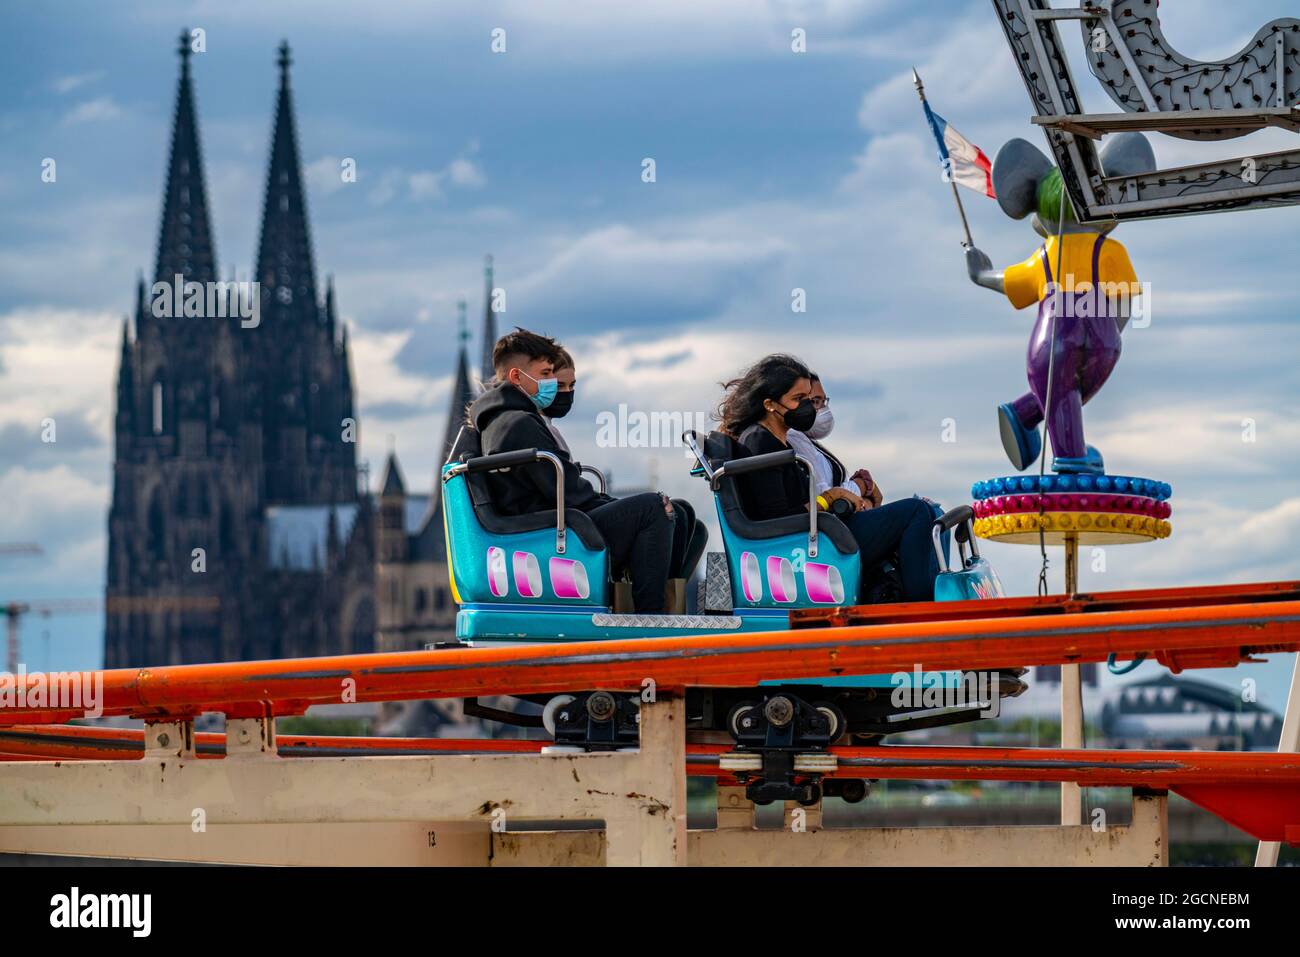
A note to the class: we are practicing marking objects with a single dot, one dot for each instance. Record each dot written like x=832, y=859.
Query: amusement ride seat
x=796, y=560
x=555, y=557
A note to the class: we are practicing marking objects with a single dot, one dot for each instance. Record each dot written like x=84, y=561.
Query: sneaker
x=1089, y=464
x=1022, y=445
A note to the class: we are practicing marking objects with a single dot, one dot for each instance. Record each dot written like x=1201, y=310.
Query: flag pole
x=961, y=210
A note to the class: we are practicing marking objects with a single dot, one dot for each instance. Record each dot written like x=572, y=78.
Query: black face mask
x=561, y=405
x=801, y=417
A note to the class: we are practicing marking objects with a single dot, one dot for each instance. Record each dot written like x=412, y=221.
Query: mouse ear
x=1127, y=154
x=1017, y=171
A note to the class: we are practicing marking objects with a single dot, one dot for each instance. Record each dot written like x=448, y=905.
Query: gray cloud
x=23, y=445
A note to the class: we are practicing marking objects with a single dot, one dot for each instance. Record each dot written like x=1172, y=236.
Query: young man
x=689, y=534
x=638, y=530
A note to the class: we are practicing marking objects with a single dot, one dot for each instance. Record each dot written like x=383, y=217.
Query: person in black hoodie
x=638, y=530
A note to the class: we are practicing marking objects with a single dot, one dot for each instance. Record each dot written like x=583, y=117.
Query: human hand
x=833, y=495
x=870, y=490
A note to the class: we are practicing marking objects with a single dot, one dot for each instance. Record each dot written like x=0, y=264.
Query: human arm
x=771, y=492
x=867, y=487
x=525, y=431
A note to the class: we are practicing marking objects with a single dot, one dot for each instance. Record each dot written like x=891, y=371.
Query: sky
x=774, y=171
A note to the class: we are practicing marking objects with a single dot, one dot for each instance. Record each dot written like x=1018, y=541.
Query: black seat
x=468, y=445
x=720, y=448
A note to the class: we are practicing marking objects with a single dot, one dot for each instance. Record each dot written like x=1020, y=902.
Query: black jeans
x=639, y=536
x=901, y=527
x=689, y=538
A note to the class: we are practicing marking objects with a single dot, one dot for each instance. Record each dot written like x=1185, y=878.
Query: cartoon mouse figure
x=1081, y=313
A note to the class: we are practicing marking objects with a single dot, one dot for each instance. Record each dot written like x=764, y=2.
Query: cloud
x=662, y=292
x=78, y=350
x=74, y=81
x=324, y=176
x=93, y=111
x=65, y=513
x=620, y=277
x=580, y=31
x=428, y=185
x=464, y=172
x=27, y=443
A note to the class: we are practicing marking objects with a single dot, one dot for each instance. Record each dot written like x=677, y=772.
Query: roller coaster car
x=545, y=577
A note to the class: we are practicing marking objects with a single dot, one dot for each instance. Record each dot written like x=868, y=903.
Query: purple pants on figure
x=1071, y=369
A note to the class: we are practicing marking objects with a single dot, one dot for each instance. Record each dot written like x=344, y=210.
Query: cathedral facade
x=237, y=529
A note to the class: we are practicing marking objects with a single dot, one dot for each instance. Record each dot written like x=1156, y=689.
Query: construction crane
x=20, y=548
x=15, y=610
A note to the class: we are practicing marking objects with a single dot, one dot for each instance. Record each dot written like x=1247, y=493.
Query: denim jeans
x=901, y=528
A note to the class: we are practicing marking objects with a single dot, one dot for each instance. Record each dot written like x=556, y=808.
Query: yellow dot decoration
x=1101, y=525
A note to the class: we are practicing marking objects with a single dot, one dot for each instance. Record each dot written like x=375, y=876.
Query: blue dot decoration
x=1031, y=484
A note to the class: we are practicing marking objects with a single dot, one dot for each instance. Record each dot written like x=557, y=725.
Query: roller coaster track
x=1182, y=628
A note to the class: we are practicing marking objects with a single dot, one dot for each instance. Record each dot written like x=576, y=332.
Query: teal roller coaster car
x=546, y=577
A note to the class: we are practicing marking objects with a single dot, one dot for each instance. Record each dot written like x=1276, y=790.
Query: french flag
x=964, y=162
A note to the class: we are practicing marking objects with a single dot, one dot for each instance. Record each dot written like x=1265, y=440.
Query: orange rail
x=1151, y=598
x=1215, y=635
x=1258, y=792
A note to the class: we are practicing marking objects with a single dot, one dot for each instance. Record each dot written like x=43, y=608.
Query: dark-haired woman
x=759, y=409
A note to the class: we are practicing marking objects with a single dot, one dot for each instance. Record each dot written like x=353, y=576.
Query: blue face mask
x=546, y=389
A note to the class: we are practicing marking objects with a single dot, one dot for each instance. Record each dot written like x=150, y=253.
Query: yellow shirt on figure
x=1026, y=283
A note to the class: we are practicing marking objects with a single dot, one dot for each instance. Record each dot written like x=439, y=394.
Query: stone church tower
x=236, y=530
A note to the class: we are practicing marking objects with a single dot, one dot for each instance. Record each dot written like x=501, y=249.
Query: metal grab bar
x=600, y=476
x=773, y=460
x=957, y=520
x=506, y=460
x=690, y=438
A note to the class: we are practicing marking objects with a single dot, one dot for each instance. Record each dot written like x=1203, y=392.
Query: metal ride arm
x=958, y=521
x=600, y=477
x=691, y=439
x=506, y=460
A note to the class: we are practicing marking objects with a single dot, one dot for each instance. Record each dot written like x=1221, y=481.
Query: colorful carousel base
x=1057, y=509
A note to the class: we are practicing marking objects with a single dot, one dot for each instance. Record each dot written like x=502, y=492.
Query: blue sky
x=774, y=171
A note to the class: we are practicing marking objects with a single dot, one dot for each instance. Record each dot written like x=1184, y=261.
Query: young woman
x=759, y=409
x=828, y=471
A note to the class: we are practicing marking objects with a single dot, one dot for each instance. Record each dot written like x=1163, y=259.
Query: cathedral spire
x=331, y=310
x=487, y=373
x=140, y=301
x=185, y=238
x=284, y=257
x=462, y=392
x=125, y=383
